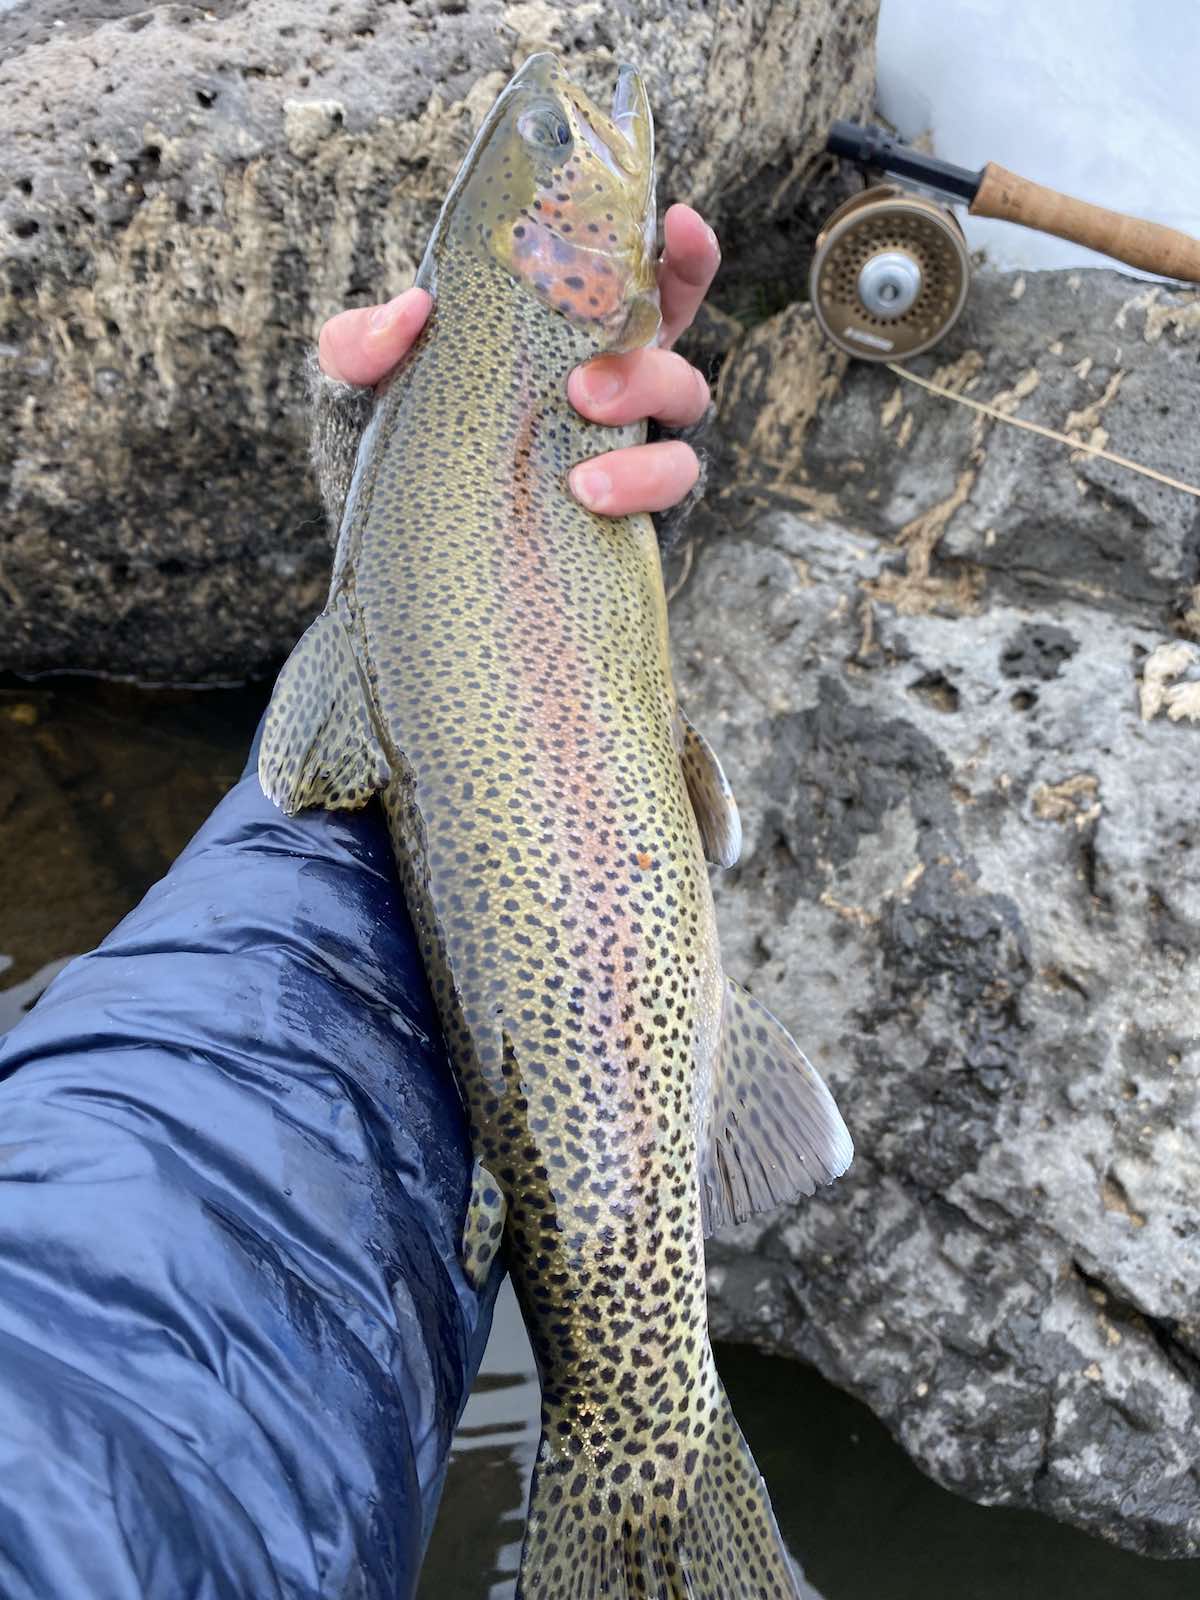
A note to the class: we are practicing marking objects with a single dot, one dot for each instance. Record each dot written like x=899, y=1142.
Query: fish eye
x=544, y=127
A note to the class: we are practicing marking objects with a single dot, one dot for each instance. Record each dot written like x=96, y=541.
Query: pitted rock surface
x=971, y=889
x=971, y=884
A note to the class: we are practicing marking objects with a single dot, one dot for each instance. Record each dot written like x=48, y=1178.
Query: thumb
x=362, y=346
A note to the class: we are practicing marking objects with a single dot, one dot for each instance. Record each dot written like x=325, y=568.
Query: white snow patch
x=1096, y=98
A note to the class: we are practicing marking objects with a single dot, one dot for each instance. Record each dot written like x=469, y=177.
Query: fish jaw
x=561, y=193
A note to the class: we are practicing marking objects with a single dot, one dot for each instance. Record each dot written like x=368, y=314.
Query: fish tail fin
x=701, y=1529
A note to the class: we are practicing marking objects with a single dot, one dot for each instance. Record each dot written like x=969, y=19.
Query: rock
x=971, y=885
x=1092, y=355
x=190, y=191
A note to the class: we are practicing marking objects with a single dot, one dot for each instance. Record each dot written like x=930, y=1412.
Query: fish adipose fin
x=319, y=746
x=707, y=1533
x=774, y=1132
x=484, y=1227
x=712, y=798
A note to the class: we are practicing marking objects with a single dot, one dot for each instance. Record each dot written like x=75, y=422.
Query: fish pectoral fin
x=774, y=1132
x=319, y=746
x=712, y=798
x=484, y=1227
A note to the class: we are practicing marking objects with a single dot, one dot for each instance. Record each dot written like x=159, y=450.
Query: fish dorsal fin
x=774, y=1133
x=712, y=798
x=319, y=746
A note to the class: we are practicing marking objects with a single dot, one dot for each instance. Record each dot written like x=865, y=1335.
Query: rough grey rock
x=971, y=887
x=1093, y=355
x=189, y=191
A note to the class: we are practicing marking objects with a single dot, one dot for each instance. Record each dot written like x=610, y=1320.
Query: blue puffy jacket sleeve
x=234, y=1334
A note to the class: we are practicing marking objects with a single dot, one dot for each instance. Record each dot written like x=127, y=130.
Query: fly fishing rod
x=891, y=268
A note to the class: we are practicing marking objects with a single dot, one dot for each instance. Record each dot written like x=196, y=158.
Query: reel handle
x=1148, y=245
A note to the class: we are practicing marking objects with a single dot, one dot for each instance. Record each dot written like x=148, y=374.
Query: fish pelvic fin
x=704, y=1530
x=774, y=1131
x=483, y=1229
x=319, y=746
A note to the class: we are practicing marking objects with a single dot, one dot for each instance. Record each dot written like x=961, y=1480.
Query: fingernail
x=592, y=486
x=712, y=239
x=601, y=384
x=383, y=316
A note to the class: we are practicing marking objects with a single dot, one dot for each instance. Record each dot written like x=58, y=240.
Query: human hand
x=361, y=346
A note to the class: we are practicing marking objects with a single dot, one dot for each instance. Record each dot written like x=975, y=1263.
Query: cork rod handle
x=1142, y=244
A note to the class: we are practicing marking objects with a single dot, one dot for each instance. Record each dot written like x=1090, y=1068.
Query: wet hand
x=361, y=346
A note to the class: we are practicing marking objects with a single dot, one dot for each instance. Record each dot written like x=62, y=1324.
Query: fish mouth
x=631, y=113
x=624, y=141
x=632, y=117
x=590, y=251
x=600, y=146
x=619, y=139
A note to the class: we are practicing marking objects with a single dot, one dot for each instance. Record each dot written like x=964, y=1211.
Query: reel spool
x=891, y=269
x=890, y=274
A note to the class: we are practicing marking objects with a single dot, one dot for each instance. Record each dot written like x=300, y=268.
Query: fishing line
x=1046, y=433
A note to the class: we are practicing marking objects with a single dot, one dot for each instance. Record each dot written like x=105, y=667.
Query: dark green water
x=100, y=787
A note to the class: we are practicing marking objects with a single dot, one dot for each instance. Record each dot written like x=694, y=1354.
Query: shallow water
x=100, y=787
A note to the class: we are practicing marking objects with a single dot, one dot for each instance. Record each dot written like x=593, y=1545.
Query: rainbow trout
x=493, y=659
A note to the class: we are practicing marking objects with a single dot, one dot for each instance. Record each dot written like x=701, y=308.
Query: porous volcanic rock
x=971, y=882
x=188, y=191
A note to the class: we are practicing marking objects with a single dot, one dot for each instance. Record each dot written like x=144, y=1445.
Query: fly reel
x=891, y=269
x=890, y=274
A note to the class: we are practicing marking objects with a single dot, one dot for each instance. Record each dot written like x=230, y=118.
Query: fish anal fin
x=774, y=1132
x=484, y=1227
x=319, y=746
x=711, y=796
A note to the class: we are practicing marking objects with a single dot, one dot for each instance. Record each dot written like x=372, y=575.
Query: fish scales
x=505, y=681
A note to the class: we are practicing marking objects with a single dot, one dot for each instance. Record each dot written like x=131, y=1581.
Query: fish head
x=562, y=194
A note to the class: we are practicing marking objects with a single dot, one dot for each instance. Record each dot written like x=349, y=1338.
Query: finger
x=645, y=477
x=690, y=258
x=363, y=346
x=643, y=383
